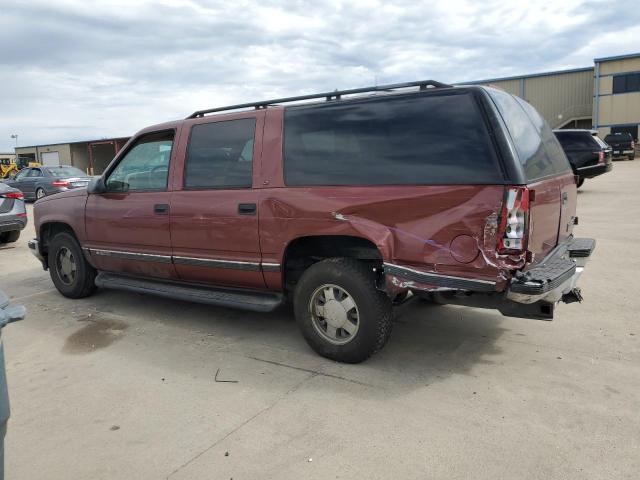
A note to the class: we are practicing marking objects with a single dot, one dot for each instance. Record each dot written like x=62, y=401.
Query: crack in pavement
x=308, y=370
x=246, y=422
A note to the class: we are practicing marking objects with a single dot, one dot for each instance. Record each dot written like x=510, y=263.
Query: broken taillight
x=514, y=221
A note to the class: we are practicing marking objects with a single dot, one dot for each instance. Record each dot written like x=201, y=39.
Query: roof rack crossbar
x=328, y=96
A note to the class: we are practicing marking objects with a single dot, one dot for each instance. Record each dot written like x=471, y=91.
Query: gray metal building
x=605, y=96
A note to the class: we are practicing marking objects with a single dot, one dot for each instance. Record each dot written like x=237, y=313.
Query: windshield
x=66, y=171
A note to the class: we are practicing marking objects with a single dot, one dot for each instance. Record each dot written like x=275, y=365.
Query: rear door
x=214, y=208
x=28, y=185
x=547, y=172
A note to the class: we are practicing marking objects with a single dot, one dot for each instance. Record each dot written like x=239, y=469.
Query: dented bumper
x=529, y=294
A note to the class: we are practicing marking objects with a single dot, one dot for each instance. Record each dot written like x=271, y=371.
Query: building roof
x=531, y=75
x=617, y=57
x=72, y=143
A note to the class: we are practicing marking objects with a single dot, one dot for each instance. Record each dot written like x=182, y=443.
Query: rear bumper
x=531, y=294
x=594, y=170
x=16, y=223
x=623, y=153
x=556, y=276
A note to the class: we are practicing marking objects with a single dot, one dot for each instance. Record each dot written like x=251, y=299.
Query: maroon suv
x=347, y=202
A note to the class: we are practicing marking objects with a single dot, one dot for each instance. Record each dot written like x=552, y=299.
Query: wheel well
x=303, y=252
x=48, y=231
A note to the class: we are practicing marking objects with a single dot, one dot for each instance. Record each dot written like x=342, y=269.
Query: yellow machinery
x=9, y=168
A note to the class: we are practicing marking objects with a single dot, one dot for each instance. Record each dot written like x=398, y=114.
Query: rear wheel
x=9, y=237
x=70, y=272
x=632, y=157
x=40, y=193
x=580, y=182
x=340, y=312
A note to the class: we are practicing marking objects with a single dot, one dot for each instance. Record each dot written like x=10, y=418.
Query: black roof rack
x=335, y=95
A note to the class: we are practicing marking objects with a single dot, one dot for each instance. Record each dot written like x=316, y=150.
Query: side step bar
x=242, y=299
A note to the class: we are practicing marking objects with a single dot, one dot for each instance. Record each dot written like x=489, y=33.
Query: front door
x=128, y=225
x=214, y=214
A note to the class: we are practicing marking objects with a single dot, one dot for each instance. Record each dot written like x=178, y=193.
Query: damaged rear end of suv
x=525, y=259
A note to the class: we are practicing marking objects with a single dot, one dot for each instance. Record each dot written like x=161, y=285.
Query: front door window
x=145, y=167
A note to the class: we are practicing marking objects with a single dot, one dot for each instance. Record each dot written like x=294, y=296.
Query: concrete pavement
x=121, y=386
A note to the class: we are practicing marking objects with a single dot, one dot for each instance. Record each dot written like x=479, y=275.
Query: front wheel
x=340, y=312
x=70, y=272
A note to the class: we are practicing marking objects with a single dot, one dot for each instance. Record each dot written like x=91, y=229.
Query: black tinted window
x=429, y=139
x=576, y=140
x=538, y=149
x=618, y=137
x=220, y=154
x=629, y=82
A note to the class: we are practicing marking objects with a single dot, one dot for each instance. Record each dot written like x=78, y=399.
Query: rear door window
x=538, y=149
x=220, y=155
x=436, y=138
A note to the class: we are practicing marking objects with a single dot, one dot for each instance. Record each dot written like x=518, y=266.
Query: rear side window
x=538, y=149
x=429, y=139
x=576, y=140
x=220, y=154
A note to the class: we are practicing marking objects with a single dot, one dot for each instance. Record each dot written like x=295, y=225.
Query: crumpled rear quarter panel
x=443, y=229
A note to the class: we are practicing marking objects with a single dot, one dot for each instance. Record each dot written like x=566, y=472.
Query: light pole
x=15, y=135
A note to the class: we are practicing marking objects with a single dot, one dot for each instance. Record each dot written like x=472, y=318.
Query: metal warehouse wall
x=561, y=97
x=511, y=86
x=63, y=149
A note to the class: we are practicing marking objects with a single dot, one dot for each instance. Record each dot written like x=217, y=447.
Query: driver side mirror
x=96, y=186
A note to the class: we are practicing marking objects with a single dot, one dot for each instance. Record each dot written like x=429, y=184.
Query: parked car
x=13, y=214
x=622, y=144
x=588, y=155
x=8, y=313
x=345, y=205
x=39, y=182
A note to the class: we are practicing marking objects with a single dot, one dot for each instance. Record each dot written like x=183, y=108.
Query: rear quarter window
x=539, y=151
x=396, y=140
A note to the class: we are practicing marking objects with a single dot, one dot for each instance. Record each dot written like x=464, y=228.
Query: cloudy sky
x=75, y=70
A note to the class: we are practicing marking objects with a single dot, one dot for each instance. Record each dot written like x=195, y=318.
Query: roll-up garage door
x=50, y=159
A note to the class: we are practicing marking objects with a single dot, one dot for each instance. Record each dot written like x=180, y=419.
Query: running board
x=242, y=299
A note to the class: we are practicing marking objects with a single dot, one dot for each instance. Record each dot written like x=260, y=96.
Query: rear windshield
x=395, y=140
x=576, y=140
x=618, y=137
x=65, y=172
x=538, y=149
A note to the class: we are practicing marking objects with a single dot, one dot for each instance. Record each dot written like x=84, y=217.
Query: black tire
x=374, y=309
x=40, y=193
x=580, y=182
x=9, y=237
x=82, y=284
x=632, y=157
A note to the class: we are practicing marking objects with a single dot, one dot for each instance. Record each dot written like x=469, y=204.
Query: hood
x=74, y=192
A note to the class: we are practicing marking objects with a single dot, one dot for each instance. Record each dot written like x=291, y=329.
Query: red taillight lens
x=17, y=195
x=514, y=221
x=600, y=156
x=60, y=183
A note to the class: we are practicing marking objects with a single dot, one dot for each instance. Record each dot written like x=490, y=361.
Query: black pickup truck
x=622, y=144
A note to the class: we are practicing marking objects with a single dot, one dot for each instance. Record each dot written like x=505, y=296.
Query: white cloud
x=76, y=70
